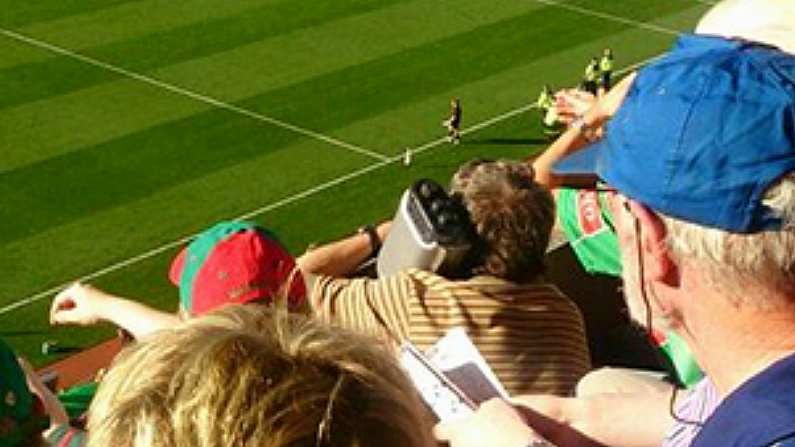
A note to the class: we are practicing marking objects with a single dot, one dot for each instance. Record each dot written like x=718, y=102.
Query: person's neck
x=734, y=344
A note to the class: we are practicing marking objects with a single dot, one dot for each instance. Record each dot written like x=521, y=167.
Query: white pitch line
x=288, y=200
x=611, y=17
x=253, y=213
x=193, y=95
x=308, y=192
x=358, y=173
x=283, y=202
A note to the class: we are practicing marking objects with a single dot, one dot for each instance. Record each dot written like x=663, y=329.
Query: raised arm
x=580, y=133
x=84, y=305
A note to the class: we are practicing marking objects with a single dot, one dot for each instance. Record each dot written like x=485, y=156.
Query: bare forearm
x=338, y=258
x=616, y=420
x=570, y=141
x=138, y=319
x=342, y=257
x=637, y=420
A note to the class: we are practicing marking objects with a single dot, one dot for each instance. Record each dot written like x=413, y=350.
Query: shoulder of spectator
x=321, y=283
x=324, y=287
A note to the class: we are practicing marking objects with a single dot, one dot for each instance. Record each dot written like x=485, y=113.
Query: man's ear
x=659, y=264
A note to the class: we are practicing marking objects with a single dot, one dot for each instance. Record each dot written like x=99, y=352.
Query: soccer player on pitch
x=453, y=123
x=606, y=70
x=589, y=80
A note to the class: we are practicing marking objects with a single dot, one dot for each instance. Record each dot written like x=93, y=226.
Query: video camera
x=431, y=231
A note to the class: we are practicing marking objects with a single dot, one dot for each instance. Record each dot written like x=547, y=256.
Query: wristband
x=372, y=234
x=587, y=132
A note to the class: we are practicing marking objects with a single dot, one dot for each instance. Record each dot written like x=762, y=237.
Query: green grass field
x=126, y=126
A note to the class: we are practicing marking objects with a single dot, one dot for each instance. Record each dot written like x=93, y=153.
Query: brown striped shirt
x=531, y=335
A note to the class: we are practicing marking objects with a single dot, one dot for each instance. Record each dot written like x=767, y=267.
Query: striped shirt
x=693, y=412
x=531, y=335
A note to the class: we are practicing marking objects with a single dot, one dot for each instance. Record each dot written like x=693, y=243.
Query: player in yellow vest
x=545, y=100
x=591, y=75
x=606, y=70
x=549, y=113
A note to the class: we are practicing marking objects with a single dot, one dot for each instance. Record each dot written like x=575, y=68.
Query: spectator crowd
x=679, y=181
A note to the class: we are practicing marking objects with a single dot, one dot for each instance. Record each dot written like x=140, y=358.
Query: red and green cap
x=235, y=262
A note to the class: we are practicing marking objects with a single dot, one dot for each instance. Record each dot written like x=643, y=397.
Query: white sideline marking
x=611, y=17
x=193, y=95
x=253, y=213
x=282, y=202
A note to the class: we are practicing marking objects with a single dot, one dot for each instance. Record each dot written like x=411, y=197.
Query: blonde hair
x=248, y=376
x=733, y=261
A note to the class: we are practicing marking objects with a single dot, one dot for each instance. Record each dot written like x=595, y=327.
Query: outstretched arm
x=84, y=305
x=339, y=258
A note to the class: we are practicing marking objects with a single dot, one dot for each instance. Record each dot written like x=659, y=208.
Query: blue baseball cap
x=702, y=134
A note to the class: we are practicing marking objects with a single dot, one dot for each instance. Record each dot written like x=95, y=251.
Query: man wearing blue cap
x=702, y=156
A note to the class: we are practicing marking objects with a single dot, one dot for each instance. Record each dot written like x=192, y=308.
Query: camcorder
x=431, y=231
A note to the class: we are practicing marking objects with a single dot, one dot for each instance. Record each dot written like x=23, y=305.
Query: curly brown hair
x=512, y=215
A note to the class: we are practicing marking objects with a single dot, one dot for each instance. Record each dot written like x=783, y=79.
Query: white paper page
x=455, y=356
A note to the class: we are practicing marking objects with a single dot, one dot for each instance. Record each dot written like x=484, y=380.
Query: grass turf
x=96, y=167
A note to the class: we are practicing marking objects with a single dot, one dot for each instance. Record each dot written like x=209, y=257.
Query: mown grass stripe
x=354, y=93
x=197, y=96
x=123, y=22
x=16, y=13
x=20, y=303
x=130, y=168
x=169, y=212
x=289, y=200
x=647, y=11
x=609, y=16
x=116, y=233
x=110, y=174
x=35, y=81
x=134, y=20
x=62, y=74
x=111, y=110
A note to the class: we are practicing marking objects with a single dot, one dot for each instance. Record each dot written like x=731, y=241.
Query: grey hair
x=734, y=261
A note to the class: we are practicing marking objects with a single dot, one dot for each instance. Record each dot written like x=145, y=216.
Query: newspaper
x=452, y=377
